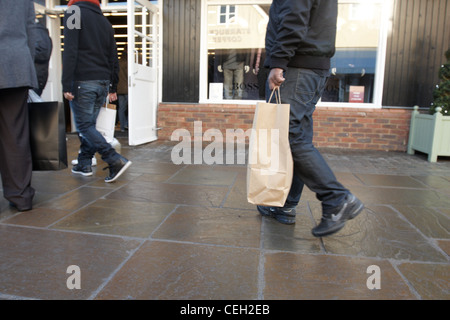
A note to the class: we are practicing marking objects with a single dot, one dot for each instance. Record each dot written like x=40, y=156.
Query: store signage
x=356, y=94
x=216, y=91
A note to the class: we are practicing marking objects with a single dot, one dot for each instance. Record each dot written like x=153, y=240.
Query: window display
x=354, y=64
x=235, y=44
x=236, y=51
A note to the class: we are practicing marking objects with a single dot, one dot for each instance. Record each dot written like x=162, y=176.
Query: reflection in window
x=227, y=13
x=353, y=66
x=236, y=51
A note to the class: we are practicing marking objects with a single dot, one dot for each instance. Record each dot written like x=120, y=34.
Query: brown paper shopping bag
x=270, y=165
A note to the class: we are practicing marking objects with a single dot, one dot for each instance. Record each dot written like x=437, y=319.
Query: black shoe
x=282, y=215
x=117, y=168
x=333, y=222
x=19, y=208
x=83, y=170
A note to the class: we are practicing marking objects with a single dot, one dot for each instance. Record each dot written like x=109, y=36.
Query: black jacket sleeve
x=290, y=28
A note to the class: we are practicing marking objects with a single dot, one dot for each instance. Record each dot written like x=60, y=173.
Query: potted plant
x=430, y=133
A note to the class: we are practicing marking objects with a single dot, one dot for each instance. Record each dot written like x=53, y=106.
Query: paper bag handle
x=277, y=96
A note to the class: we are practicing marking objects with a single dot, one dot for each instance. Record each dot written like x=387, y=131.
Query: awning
x=354, y=61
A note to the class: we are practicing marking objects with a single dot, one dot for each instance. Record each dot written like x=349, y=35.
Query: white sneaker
x=114, y=143
x=94, y=161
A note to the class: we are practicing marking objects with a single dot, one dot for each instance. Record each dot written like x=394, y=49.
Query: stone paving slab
x=186, y=232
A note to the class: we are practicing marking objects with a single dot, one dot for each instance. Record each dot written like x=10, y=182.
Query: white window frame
x=380, y=64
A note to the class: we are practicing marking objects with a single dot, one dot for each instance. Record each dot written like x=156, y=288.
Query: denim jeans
x=89, y=98
x=302, y=89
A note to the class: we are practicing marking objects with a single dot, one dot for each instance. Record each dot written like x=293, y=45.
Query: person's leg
x=15, y=151
x=89, y=98
x=123, y=106
x=122, y=109
x=302, y=90
x=228, y=83
x=238, y=82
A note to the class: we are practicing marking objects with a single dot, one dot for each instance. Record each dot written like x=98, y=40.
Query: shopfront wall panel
x=418, y=37
x=181, y=50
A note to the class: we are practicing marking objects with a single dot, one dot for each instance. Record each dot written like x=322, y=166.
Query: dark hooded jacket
x=90, y=51
x=44, y=47
x=301, y=34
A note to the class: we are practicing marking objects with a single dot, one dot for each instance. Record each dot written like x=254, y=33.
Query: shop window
x=357, y=44
x=236, y=51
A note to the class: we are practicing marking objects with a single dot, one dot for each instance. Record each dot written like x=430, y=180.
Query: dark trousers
x=302, y=90
x=15, y=153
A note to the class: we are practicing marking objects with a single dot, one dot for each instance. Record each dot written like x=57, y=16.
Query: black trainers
x=332, y=222
x=282, y=215
x=117, y=168
x=83, y=170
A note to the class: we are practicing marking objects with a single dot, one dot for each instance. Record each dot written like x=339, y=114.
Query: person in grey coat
x=17, y=76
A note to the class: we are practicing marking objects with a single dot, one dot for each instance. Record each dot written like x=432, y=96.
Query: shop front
x=207, y=58
x=387, y=56
x=137, y=33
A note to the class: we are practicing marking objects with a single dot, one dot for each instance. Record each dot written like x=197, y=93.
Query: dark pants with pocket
x=302, y=90
x=15, y=153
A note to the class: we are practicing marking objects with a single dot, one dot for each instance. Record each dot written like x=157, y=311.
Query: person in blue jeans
x=300, y=41
x=90, y=74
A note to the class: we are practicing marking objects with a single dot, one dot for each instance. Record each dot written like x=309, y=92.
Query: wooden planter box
x=429, y=134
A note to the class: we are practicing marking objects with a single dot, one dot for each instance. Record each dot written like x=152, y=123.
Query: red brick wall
x=374, y=129
x=347, y=128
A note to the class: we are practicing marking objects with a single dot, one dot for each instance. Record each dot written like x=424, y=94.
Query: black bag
x=47, y=135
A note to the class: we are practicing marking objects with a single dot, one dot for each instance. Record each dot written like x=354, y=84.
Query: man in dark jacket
x=90, y=71
x=300, y=42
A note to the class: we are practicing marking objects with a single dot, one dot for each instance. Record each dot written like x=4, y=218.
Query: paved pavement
x=186, y=232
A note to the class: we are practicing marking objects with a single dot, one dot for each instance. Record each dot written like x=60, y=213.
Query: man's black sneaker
x=332, y=222
x=282, y=215
x=117, y=168
x=83, y=170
